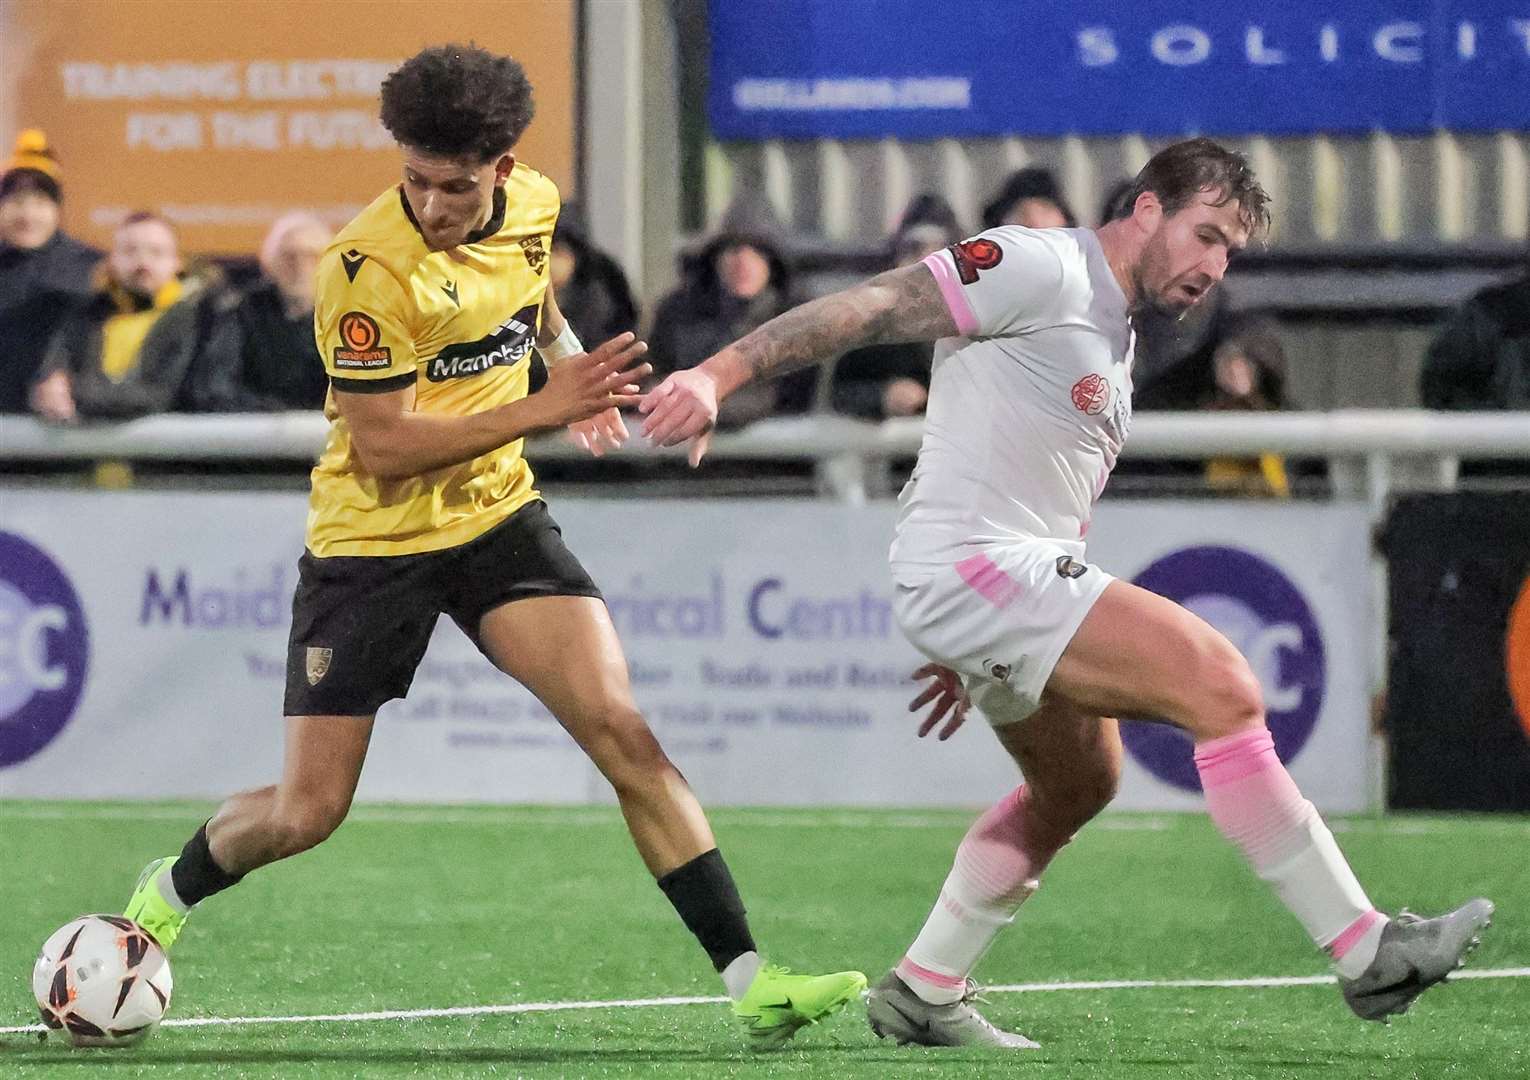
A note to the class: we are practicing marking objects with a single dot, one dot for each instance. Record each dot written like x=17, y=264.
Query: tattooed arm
x=900, y=305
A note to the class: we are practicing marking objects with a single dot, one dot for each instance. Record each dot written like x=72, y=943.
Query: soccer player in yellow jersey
x=429, y=306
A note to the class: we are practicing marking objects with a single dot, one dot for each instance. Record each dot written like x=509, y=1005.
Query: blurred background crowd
x=141, y=328
x=1374, y=304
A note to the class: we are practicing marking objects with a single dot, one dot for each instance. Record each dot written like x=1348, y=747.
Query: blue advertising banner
x=917, y=69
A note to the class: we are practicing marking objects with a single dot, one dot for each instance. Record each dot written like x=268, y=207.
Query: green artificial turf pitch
x=425, y=908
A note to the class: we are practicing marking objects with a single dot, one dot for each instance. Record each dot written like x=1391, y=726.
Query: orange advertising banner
x=1517, y=656
x=224, y=114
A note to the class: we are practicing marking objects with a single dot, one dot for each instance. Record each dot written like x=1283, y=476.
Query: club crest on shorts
x=318, y=663
x=1068, y=567
x=996, y=670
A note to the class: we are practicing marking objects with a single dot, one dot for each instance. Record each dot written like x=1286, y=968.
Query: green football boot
x=149, y=909
x=778, y=1003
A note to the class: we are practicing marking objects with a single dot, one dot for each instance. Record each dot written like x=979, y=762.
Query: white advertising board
x=142, y=644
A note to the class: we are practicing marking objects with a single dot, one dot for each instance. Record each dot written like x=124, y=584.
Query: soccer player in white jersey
x=1030, y=402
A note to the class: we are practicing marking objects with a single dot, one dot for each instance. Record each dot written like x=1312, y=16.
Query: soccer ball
x=102, y=979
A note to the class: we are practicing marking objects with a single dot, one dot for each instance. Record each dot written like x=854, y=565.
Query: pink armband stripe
x=951, y=289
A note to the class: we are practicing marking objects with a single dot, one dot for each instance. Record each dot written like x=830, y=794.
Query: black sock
x=195, y=875
x=708, y=903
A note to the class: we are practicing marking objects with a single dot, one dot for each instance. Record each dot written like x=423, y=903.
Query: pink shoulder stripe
x=940, y=265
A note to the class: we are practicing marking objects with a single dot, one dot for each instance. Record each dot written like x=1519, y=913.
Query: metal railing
x=1369, y=452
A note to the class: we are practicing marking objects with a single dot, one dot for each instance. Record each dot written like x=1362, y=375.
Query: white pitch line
x=660, y=1002
x=1274, y=981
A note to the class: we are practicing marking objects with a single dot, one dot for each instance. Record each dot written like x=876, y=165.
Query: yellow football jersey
x=456, y=324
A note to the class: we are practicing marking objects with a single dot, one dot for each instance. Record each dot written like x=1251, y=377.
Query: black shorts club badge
x=1069, y=568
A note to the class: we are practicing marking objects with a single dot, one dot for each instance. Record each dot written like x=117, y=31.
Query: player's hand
x=52, y=399
x=948, y=695
x=585, y=385
x=683, y=406
x=600, y=433
x=903, y=397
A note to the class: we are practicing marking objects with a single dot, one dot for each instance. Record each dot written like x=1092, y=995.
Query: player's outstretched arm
x=900, y=305
x=393, y=441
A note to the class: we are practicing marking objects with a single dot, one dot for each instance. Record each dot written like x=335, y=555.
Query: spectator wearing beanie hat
x=737, y=280
x=43, y=272
x=880, y=381
x=1030, y=197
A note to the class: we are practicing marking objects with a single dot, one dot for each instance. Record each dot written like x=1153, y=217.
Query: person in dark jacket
x=1031, y=197
x=43, y=271
x=1248, y=375
x=881, y=381
x=1481, y=359
x=125, y=350
x=737, y=281
x=259, y=354
x=592, y=291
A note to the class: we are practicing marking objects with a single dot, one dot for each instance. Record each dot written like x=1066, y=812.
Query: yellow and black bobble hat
x=32, y=167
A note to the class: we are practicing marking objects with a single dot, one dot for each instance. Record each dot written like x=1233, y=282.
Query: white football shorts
x=1001, y=617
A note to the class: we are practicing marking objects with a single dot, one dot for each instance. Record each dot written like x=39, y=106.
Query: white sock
x=954, y=938
x=1359, y=955
x=166, y=885
x=740, y=973
x=1257, y=806
x=997, y=867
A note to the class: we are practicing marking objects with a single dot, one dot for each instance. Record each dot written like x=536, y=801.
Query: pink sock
x=997, y=867
x=1257, y=806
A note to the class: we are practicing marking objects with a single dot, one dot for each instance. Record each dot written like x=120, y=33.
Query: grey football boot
x=1414, y=954
x=896, y=1012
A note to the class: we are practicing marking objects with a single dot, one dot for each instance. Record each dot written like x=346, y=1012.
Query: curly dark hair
x=1178, y=173
x=458, y=101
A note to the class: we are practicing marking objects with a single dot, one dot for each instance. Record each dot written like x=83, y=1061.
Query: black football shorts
x=360, y=624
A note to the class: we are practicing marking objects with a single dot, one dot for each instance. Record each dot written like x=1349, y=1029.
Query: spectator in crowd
x=1173, y=361
x=1212, y=358
x=1115, y=198
x=591, y=290
x=259, y=354
x=1481, y=359
x=1248, y=375
x=124, y=351
x=880, y=381
x=738, y=280
x=1030, y=197
x=43, y=271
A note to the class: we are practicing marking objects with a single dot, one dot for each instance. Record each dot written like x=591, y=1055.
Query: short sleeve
x=1003, y=281
x=361, y=325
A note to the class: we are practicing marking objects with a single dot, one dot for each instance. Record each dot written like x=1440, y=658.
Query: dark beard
x=1168, y=311
x=1149, y=305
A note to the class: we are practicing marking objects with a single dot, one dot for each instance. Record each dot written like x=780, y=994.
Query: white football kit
x=1027, y=414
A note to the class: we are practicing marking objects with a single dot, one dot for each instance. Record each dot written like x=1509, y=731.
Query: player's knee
x=1097, y=788
x=302, y=824
x=1091, y=786
x=1231, y=700
x=627, y=752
